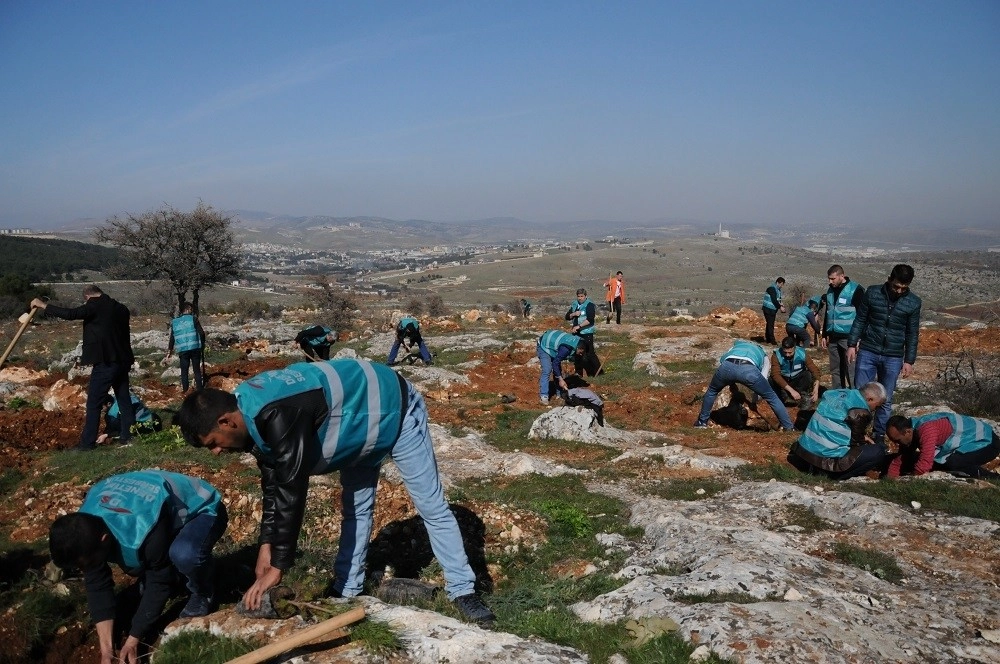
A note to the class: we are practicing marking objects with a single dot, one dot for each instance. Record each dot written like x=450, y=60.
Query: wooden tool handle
x=300, y=638
x=24, y=325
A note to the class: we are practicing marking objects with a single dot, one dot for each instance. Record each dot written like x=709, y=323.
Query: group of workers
x=349, y=415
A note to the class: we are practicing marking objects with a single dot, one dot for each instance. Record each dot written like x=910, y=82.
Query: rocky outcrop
x=797, y=602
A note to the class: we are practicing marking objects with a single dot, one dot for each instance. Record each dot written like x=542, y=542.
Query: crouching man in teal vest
x=151, y=523
x=748, y=364
x=316, y=418
x=552, y=349
x=942, y=441
x=835, y=443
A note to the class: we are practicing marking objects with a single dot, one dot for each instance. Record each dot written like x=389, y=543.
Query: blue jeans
x=425, y=354
x=191, y=550
x=413, y=455
x=746, y=374
x=105, y=376
x=545, y=378
x=872, y=366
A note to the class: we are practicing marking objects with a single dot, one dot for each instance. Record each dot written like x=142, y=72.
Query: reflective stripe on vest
x=130, y=505
x=185, y=333
x=551, y=340
x=827, y=434
x=365, y=408
x=793, y=366
x=768, y=304
x=582, y=306
x=840, y=313
x=968, y=434
x=799, y=316
x=745, y=350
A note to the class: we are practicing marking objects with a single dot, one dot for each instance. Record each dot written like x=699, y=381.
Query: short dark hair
x=789, y=342
x=75, y=536
x=619, y=272
x=899, y=423
x=779, y=280
x=581, y=291
x=92, y=289
x=901, y=273
x=200, y=412
x=186, y=306
x=834, y=269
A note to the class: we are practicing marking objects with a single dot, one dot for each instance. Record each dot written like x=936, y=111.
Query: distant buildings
x=721, y=232
x=15, y=231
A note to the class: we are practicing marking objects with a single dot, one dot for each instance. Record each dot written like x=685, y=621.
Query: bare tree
x=192, y=250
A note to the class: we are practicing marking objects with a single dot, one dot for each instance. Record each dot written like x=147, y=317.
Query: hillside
x=581, y=528
x=44, y=259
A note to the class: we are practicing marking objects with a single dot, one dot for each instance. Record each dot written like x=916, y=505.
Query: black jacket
x=886, y=326
x=105, y=329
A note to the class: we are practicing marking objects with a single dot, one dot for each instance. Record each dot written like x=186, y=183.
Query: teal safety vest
x=130, y=504
x=582, y=306
x=827, y=434
x=799, y=316
x=142, y=414
x=320, y=340
x=793, y=366
x=551, y=340
x=745, y=350
x=403, y=322
x=767, y=297
x=840, y=313
x=968, y=434
x=365, y=408
x=185, y=333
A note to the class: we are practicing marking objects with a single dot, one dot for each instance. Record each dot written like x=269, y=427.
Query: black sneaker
x=197, y=605
x=474, y=610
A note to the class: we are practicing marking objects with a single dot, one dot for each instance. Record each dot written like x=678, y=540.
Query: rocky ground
x=789, y=597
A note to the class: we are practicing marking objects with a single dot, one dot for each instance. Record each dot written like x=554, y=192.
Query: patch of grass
x=569, y=519
x=10, y=478
x=33, y=614
x=666, y=649
x=450, y=358
x=163, y=449
x=511, y=430
x=804, y=518
x=377, y=637
x=20, y=403
x=716, y=597
x=202, y=647
x=687, y=488
x=777, y=471
x=878, y=564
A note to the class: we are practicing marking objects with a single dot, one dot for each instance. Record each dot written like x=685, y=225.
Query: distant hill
x=44, y=259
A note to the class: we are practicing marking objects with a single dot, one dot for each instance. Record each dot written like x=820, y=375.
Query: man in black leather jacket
x=107, y=346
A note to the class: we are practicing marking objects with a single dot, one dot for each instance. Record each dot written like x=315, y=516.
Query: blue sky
x=766, y=112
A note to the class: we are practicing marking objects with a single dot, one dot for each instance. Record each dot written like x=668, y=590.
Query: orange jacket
x=609, y=286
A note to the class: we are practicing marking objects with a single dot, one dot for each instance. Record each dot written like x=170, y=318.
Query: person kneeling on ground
x=748, y=364
x=317, y=418
x=794, y=374
x=835, y=442
x=408, y=334
x=152, y=524
x=146, y=421
x=580, y=394
x=942, y=441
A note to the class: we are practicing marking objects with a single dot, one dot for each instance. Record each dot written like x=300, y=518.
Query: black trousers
x=769, y=316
